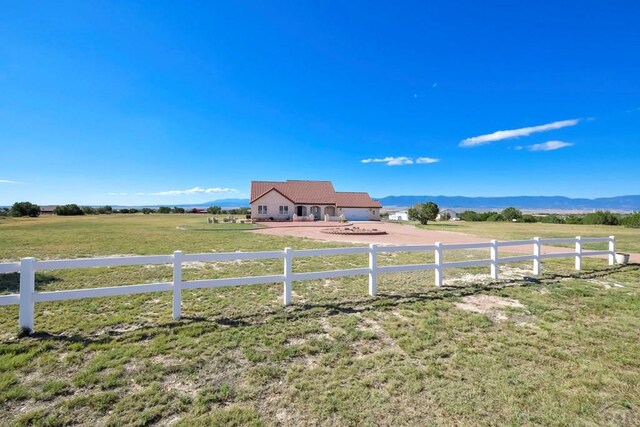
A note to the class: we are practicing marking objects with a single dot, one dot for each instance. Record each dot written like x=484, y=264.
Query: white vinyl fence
x=27, y=268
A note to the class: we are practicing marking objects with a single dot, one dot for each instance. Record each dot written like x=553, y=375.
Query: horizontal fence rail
x=27, y=267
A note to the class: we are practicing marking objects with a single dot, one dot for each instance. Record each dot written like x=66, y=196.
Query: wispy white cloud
x=426, y=160
x=401, y=161
x=549, y=146
x=8, y=181
x=516, y=133
x=190, y=191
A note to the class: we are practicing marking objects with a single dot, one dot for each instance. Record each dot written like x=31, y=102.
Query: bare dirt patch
x=493, y=307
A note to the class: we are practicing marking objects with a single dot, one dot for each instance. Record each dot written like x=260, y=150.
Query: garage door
x=356, y=214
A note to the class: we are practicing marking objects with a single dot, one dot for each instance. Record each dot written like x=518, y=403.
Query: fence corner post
x=373, y=270
x=439, y=260
x=288, y=269
x=578, y=253
x=536, y=256
x=27, y=289
x=612, y=250
x=177, y=284
x=494, y=260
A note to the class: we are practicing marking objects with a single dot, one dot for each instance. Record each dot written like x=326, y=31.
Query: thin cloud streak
x=549, y=146
x=8, y=181
x=190, y=191
x=401, y=160
x=516, y=133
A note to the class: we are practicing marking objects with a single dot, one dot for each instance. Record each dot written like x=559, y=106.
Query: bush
x=601, y=218
x=25, y=209
x=214, y=210
x=632, y=220
x=133, y=210
x=4, y=211
x=148, y=211
x=529, y=218
x=105, y=209
x=495, y=217
x=124, y=211
x=68, y=210
x=552, y=219
x=88, y=210
x=178, y=210
x=511, y=213
x=424, y=212
x=573, y=219
x=164, y=209
x=469, y=216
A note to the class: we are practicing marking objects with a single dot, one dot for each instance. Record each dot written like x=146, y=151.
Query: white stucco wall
x=272, y=200
x=360, y=214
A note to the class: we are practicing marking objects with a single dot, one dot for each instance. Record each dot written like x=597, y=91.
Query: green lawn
x=567, y=354
x=627, y=239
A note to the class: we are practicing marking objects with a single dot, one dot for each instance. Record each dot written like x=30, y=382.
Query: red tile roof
x=312, y=192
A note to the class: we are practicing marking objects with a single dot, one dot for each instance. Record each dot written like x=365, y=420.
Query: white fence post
x=439, y=260
x=27, y=289
x=494, y=260
x=536, y=256
x=288, y=268
x=373, y=267
x=612, y=250
x=578, y=253
x=177, y=284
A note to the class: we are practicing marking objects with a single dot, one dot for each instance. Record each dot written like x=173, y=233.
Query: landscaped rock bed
x=354, y=231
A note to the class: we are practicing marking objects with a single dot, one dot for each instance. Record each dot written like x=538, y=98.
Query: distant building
x=274, y=200
x=47, y=210
x=451, y=214
x=399, y=216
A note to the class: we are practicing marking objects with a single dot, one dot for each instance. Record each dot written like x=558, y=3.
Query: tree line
x=424, y=212
x=28, y=209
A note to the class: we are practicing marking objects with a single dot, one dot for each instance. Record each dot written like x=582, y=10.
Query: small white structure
x=451, y=214
x=399, y=216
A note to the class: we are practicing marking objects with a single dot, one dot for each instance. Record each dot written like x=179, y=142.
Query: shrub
x=148, y=211
x=573, y=219
x=4, y=211
x=133, y=210
x=178, y=210
x=88, y=210
x=469, y=216
x=25, y=209
x=105, y=209
x=445, y=216
x=424, y=212
x=495, y=217
x=552, y=219
x=529, y=218
x=601, y=218
x=68, y=210
x=164, y=209
x=124, y=211
x=632, y=220
x=214, y=210
x=511, y=213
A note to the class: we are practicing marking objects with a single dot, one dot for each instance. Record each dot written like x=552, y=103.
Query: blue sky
x=178, y=102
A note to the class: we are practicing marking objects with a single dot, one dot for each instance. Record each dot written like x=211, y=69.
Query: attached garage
x=356, y=214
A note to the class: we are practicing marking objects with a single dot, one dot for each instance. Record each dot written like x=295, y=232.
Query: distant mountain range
x=619, y=203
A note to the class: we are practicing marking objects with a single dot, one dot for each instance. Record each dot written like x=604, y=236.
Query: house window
x=262, y=210
x=284, y=210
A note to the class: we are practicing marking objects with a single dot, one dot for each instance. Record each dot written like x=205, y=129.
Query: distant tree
x=424, y=212
x=89, y=210
x=511, y=213
x=124, y=211
x=4, y=211
x=178, y=210
x=552, y=219
x=68, y=210
x=133, y=210
x=164, y=209
x=148, y=211
x=601, y=218
x=573, y=219
x=495, y=217
x=24, y=209
x=469, y=216
x=445, y=216
x=529, y=218
x=194, y=210
x=214, y=210
x=105, y=210
x=632, y=220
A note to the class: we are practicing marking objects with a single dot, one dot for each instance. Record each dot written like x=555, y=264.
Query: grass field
x=562, y=349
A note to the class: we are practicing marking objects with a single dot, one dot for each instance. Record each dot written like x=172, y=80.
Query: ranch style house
x=310, y=200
